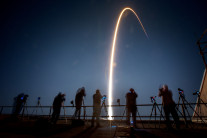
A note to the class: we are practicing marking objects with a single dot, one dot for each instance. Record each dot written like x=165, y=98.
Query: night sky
x=50, y=46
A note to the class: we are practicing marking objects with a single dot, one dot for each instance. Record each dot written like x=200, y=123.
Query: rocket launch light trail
x=112, y=57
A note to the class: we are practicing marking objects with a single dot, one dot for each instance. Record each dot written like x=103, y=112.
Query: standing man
x=57, y=103
x=96, y=107
x=169, y=106
x=79, y=100
x=131, y=106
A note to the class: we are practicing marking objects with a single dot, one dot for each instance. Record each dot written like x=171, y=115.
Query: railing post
x=1, y=110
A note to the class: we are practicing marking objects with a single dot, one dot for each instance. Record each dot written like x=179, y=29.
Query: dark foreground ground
x=25, y=128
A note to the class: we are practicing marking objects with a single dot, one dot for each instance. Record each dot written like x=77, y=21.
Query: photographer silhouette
x=57, y=103
x=131, y=106
x=169, y=106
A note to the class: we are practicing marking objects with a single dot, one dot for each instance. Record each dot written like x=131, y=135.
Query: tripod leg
x=161, y=115
x=105, y=109
x=140, y=118
x=65, y=115
x=198, y=108
x=24, y=106
x=122, y=116
x=183, y=112
x=50, y=111
x=151, y=114
x=185, y=108
x=155, y=115
x=195, y=112
x=156, y=106
x=33, y=111
x=180, y=113
x=36, y=110
x=203, y=102
x=188, y=114
x=178, y=102
x=41, y=108
x=23, y=112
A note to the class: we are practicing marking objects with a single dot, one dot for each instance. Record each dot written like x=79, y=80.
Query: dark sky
x=52, y=46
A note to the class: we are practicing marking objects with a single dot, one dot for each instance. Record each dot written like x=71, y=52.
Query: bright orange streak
x=112, y=57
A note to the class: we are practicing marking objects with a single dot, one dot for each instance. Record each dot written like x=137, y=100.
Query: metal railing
x=144, y=112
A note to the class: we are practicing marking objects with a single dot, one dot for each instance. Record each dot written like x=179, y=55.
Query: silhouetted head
x=165, y=87
x=131, y=90
x=63, y=94
x=97, y=91
x=83, y=91
x=60, y=94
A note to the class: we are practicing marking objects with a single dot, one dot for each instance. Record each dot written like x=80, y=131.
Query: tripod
x=137, y=112
x=84, y=110
x=184, y=108
x=24, y=108
x=198, y=105
x=140, y=118
x=38, y=106
x=105, y=109
x=154, y=107
x=103, y=105
x=64, y=112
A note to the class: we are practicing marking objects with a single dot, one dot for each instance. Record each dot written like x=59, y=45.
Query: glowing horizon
x=112, y=57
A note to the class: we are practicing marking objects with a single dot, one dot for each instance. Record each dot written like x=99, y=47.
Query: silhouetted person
x=131, y=107
x=78, y=101
x=20, y=102
x=96, y=107
x=169, y=106
x=57, y=103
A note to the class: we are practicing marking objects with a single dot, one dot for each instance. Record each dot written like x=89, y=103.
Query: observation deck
x=33, y=122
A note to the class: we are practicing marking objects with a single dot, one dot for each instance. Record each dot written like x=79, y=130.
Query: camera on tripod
x=153, y=100
x=196, y=93
x=24, y=98
x=38, y=101
x=180, y=91
x=103, y=98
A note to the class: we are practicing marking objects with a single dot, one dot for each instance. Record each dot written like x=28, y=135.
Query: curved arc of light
x=112, y=57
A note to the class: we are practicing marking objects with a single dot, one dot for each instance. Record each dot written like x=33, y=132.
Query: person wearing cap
x=169, y=106
x=131, y=107
x=96, y=107
x=57, y=103
x=79, y=101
